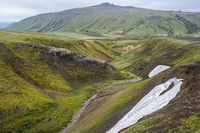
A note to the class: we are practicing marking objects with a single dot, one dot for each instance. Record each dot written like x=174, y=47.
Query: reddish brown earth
x=99, y=54
x=110, y=51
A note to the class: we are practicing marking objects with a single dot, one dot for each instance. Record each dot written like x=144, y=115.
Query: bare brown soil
x=99, y=54
x=128, y=47
x=111, y=52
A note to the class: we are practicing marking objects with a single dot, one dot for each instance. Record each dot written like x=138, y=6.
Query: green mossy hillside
x=73, y=45
x=40, y=92
x=159, y=51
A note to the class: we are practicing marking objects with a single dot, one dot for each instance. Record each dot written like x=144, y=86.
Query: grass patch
x=168, y=51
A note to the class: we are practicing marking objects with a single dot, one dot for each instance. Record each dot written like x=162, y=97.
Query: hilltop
x=111, y=19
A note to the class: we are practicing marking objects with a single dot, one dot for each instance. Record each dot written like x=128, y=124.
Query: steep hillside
x=153, y=52
x=180, y=115
x=111, y=19
x=42, y=83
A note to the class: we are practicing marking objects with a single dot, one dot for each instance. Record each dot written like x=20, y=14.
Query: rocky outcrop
x=62, y=52
x=76, y=67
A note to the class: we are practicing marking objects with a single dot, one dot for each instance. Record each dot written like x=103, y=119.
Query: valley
x=101, y=69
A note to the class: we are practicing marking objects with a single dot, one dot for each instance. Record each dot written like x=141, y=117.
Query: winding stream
x=78, y=114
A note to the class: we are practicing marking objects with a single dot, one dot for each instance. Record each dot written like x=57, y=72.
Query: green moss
x=173, y=52
x=2, y=53
x=144, y=125
x=34, y=95
x=191, y=124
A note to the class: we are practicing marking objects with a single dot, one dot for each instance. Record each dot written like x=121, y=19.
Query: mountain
x=111, y=19
x=54, y=79
x=5, y=24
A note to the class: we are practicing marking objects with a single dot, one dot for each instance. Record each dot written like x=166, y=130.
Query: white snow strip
x=157, y=70
x=152, y=102
x=78, y=114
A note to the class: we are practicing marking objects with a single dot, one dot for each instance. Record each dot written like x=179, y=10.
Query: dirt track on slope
x=99, y=54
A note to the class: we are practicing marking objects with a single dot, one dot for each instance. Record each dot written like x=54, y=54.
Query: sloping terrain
x=180, y=115
x=99, y=54
x=42, y=83
x=45, y=79
x=157, y=51
x=111, y=19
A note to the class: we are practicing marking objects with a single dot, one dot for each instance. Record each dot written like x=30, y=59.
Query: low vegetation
x=100, y=116
x=180, y=115
x=111, y=20
x=39, y=90
x=153, y=52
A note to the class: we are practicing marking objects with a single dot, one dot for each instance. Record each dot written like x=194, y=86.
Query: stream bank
x=78, y=114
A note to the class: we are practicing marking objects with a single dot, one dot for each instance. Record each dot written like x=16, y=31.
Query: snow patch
x=78, y=114
x=152, y=102
x=157, y=70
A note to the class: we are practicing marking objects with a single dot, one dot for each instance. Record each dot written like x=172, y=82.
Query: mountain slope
x=180, y=115
x=42, y=84
x=162, y=50
x=111, y=19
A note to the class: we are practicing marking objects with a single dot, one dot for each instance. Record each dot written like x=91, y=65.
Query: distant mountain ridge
x=5, y=24
x=111, y=19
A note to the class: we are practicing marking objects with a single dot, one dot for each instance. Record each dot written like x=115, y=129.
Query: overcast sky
x=16, y=10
